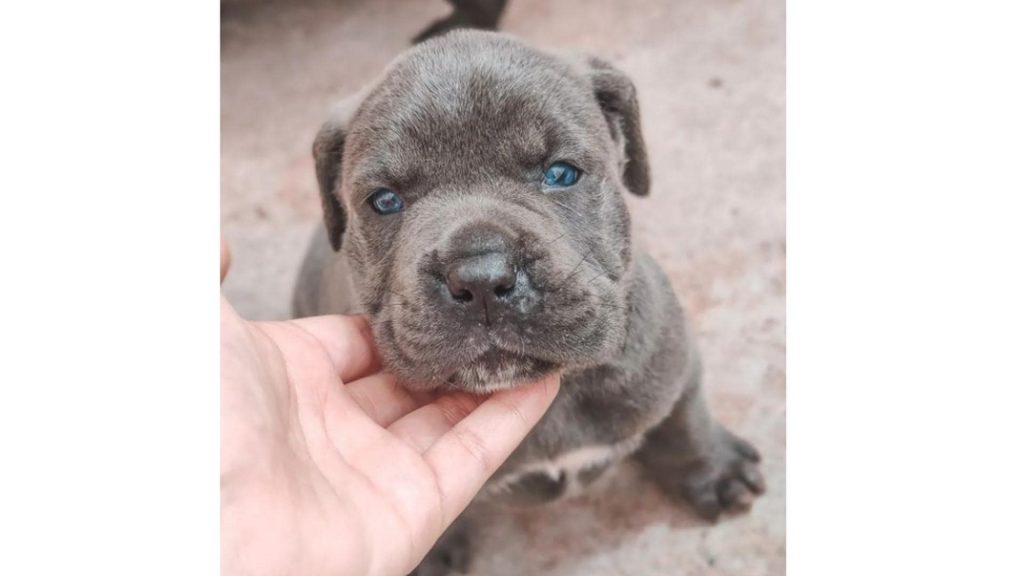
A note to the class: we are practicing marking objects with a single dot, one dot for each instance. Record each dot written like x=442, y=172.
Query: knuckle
x=475, y=447
x=367, y=402
x=454, y=409
x=514, y=409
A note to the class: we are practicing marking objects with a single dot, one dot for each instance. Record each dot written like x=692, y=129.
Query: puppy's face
x=478, y=191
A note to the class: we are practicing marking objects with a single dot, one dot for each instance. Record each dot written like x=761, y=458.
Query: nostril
x=458, y=287
x=461, y=295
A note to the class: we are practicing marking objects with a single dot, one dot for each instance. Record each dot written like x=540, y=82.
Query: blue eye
x=385, y=201
x=561, y=175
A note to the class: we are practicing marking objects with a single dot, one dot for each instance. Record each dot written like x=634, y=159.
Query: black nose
x=483, y=280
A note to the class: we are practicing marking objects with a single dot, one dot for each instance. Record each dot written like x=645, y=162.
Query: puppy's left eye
x=385, y=201
x=561, y=175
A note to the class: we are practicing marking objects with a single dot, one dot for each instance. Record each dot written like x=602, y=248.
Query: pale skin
x=329, y=466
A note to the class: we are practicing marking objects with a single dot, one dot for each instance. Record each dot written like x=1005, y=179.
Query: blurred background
x=711, y=82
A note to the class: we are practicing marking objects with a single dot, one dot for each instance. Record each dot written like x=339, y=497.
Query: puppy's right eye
x=385, y=202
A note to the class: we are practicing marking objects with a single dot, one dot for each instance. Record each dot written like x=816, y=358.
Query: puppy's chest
x=541, y=481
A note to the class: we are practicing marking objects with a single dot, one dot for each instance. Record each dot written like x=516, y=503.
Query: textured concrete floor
x=711, y=78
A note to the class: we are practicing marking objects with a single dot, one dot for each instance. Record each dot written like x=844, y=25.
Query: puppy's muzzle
x=483, y=278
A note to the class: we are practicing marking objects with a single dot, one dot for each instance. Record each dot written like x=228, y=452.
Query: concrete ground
x=711, y=78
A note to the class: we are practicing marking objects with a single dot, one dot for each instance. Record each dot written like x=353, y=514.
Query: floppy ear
x=327, y=151
x=616, y=95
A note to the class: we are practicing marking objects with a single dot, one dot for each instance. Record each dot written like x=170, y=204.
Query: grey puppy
x=474, y=202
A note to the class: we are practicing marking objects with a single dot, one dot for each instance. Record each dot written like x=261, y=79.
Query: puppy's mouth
x=497, y=369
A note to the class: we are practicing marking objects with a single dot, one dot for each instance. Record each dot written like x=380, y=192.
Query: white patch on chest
x=571, y=464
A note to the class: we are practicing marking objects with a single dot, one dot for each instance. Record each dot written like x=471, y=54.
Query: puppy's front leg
x=691, y=455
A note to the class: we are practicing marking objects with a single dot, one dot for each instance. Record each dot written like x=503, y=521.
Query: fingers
x=463, y=458
x=382, y=398
x=347, y=340
x=423, y=427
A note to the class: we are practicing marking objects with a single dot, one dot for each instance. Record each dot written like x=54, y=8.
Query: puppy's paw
x=450, y=555
x=726, y=480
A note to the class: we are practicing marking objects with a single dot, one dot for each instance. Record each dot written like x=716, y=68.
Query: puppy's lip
x=497, y=356
x=490, y=356
x=479, y=389
x=509, y=369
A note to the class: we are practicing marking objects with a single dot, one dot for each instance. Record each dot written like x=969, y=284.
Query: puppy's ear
x=327, y=151
x=616, y=95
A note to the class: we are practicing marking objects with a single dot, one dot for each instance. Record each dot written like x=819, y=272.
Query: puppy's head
x=477, y=190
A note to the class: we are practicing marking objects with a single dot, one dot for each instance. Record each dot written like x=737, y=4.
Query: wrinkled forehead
x=483, y=113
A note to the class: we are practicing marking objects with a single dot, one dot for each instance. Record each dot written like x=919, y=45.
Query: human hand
x=329, y=466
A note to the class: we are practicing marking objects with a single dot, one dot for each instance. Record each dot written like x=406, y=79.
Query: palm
x=328, y=460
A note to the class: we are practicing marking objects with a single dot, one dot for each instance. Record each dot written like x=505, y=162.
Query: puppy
x=474, y=203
